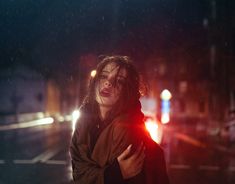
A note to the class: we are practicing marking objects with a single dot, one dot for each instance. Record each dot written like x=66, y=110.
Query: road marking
x=56, y=162
x=209, y=167
x=64, y=162
x=38, y=122
x=23, y=162
x=43, y=157
x=2, y=162
x=201, y=167
x=198, y=143
x=190, y=140
x=180, y=166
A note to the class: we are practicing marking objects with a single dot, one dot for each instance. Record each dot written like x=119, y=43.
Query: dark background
x=54, y=34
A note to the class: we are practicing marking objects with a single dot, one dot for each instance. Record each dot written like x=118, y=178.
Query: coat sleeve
x=155, y=165
x=125, y=134
x=154, y=170
x=112, y=174
x=161, y=169
x=85, y=170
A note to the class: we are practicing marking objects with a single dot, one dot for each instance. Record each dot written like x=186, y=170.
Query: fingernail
x=129, y=147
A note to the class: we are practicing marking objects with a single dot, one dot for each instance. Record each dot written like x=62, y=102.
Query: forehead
x=113, y=69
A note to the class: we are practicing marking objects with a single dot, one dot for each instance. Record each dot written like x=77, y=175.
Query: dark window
x=39, y=97
x=182, y=106
x=201, y=107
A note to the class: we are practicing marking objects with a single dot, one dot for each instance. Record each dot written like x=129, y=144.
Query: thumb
x=125, y=153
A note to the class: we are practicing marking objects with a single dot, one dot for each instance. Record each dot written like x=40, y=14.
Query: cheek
x=97, y=91
x=98, y=86
x=117, y=93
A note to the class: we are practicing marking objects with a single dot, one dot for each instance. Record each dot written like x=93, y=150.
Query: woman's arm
x=85, y=170
x=155, y=165
x=112, y=174
x=125, y=166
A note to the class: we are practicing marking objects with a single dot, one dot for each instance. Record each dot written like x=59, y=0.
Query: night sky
x=48, y=34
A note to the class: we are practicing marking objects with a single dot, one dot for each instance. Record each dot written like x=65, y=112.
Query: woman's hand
x=131, y=165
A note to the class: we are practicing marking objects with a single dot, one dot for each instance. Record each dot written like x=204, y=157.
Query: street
x=192, y=161
x=36, y=155
x=40, y=155
x=174, y=59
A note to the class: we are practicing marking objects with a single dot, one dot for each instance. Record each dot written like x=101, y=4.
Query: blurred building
x=26, y=91
x=199, y=70
x=190, y=91
x=73, y=86
x=221, y=47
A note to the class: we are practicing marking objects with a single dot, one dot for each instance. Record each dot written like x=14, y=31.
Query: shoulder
x=126, y=129
x=154, y=150
x=126, y=123
x=120, y=126
x=152, y=145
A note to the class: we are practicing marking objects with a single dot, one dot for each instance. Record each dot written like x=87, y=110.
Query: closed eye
x=120, y=81
x=103, y=76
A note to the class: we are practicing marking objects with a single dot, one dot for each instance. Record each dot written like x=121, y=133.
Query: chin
x=106, y=104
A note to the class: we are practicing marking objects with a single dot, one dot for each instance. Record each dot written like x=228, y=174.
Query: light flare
x=75, y=116
x=152, y=128
x=38, y=122
x=165, y=118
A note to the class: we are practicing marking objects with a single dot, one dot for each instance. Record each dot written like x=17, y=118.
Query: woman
x=110, y=143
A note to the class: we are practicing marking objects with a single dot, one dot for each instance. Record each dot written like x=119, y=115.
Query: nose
x=107, y=83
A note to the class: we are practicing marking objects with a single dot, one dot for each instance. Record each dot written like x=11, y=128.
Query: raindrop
x=9, y=80
x=123, y=23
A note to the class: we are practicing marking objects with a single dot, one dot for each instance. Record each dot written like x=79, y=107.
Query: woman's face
x=107, y=91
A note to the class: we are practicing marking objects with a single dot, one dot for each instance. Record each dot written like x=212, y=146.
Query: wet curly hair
x=130, y=93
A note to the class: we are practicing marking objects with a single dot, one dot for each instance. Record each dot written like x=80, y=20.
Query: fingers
x=131, y=164
x=137, y=156
x=138, y=164
x=125, y=153
x=140, y=152
x=140, y=159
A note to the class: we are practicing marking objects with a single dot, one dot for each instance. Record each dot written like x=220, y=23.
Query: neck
x=103, y=111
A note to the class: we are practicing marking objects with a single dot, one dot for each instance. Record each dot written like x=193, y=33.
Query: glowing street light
x=166, y=94
x=165, y=108
x=93, y=73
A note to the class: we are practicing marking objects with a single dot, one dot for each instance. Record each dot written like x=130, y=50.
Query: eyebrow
x=120, y=76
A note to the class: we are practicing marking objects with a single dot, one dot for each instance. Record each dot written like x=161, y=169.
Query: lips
x=105, y=93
